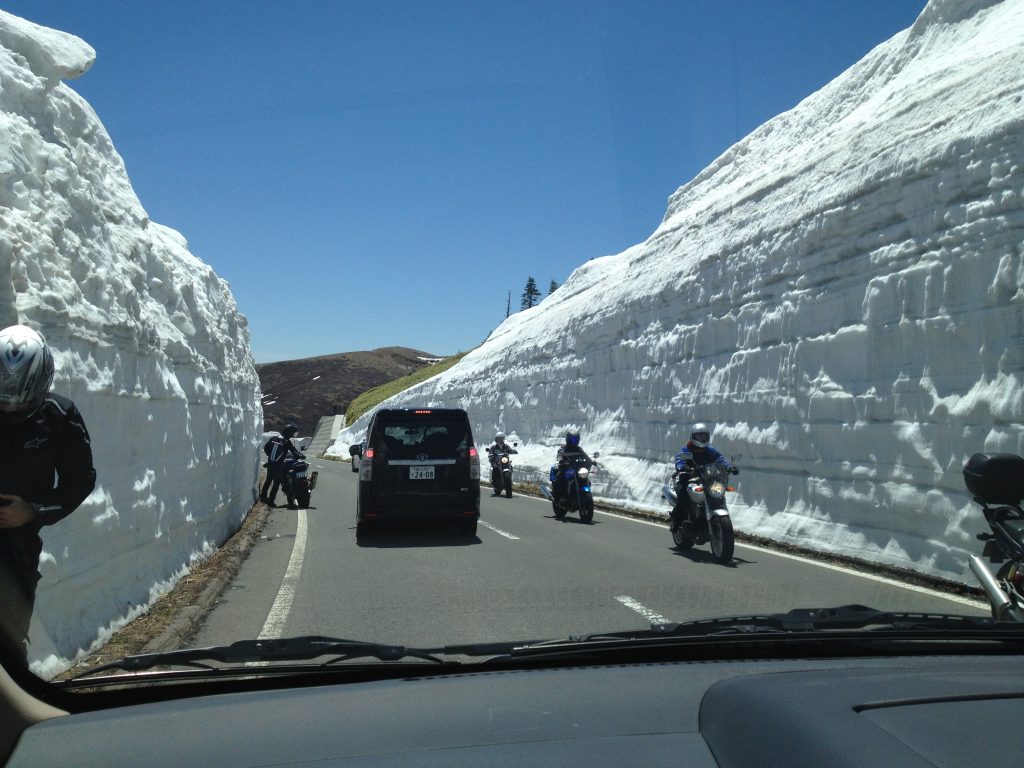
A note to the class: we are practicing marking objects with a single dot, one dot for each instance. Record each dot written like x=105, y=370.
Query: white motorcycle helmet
x=700, y=435
x=26, y=372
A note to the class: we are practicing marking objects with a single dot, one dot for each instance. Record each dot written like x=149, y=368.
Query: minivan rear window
x=409, y=439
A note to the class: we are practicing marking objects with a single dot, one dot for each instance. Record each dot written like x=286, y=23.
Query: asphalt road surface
x=525, y=576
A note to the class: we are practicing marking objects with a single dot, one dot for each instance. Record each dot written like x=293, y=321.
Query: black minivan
x=419, y=463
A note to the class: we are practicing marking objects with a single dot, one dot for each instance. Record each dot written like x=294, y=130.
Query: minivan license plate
x=421, y=473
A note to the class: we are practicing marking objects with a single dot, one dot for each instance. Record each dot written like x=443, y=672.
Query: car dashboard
x=878, y=711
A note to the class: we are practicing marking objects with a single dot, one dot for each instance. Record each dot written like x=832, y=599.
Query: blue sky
x=369, y=174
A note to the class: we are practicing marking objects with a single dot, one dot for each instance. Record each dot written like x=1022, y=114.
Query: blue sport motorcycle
x=578, y=496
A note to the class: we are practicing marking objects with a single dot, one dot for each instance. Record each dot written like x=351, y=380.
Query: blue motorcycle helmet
x=572, y=437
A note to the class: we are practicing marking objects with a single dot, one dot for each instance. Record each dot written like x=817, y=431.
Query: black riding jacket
x=47, y=460
x=567, y=453
x=278, y=448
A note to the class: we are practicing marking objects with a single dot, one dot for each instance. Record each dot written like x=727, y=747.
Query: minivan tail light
x=474, y=464
x=366, y=465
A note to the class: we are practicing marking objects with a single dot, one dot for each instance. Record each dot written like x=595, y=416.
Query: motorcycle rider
x=46, y=472
x=697, y=452
x=494, y=453
x=278, y=448
x=567, y=454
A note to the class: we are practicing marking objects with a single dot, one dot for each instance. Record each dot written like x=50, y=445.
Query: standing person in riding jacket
x=495, y=452
x=566, y=454
x=42, y=437
x=697, y=452
x=278, y=448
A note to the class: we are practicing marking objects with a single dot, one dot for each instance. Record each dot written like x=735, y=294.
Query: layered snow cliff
x=840, y=294
x=148, y=343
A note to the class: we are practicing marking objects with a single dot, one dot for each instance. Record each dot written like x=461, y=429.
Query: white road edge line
x=972, y=602
x=647, y=613
x=831, y=566
x=282, y=606
x=499, y=531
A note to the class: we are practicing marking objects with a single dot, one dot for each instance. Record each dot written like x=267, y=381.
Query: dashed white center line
x=499, y=531
x=647, y=613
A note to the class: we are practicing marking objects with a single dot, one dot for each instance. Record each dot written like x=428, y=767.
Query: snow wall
x=148, y=343
x=839, y=294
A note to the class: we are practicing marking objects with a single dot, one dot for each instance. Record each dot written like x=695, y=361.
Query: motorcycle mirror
x=515, y=445
x=596, y=454
x=737, y=457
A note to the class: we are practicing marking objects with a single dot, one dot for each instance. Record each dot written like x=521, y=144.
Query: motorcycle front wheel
x=722, y=539
x=587, y=508
x=507, y=482
x=559, y=512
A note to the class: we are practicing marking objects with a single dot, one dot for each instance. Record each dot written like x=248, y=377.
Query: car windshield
x=763, y=259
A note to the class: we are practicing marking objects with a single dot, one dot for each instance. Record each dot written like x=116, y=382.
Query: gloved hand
x=735, y=470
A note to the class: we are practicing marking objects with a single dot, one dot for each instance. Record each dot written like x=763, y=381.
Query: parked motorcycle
x=501, y=470
x=578, y=495
x=996, y=480
x=298, y=482
x=709, y=519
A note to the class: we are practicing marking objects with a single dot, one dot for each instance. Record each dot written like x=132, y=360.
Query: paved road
x=524, y=576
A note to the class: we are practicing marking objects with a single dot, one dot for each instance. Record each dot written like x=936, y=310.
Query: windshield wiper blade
x=800, y=623
x=244, y=652
x=843, y=617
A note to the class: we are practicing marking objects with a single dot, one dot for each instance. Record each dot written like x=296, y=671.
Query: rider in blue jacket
x=697, y=452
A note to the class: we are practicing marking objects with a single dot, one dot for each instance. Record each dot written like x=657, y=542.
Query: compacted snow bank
x=840, y=294
x=148, y=343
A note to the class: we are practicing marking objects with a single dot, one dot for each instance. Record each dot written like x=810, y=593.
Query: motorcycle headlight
x=504, y=459
x=583, y=473
x=716, y=489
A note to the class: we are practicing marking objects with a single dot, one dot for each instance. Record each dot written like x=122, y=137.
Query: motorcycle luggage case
x=996, y=478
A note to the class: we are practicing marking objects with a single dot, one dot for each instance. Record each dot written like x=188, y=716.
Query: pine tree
x=531, y=294
x=552, y=286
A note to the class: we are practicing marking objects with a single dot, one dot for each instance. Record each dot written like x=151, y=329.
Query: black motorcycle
x=703, y=491
x=298, y=482
x=501, y=469
x=996, y=480
x=578, y=496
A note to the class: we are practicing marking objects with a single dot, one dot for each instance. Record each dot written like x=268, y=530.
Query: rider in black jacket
x=494, y=454
x=42, y=436
x=568, y=452
x=278, y=448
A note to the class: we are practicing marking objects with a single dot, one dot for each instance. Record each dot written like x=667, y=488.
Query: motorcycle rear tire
x=723, y=542
x=587, y=510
